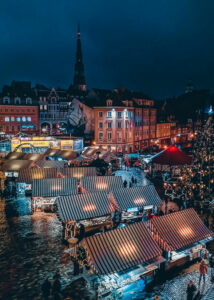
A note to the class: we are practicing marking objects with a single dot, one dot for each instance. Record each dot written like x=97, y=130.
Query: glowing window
x=29, y=119
x=24, y=119
x=7, y=119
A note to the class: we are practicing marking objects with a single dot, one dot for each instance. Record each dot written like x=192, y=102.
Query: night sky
x=153, y=46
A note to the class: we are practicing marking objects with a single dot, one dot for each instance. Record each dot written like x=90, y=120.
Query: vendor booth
x=89, y=211
x=134, y=202
x=120, y=257
x=182, y=235
x=97, y=183
x=45, y=192
x=26, y=177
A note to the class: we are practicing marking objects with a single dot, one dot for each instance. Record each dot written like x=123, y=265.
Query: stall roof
x=28, y=175
x=84, y=206
x=14, y=155
x=180, y=229
x=121, y=249
x=53, y=187
x=137, y=197
x=172, y=157
x=15, y=165
x=50, y=164
x=96, y=183
x=24, y=156
x=78, y=172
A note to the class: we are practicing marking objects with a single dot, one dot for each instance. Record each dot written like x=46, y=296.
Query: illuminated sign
x=66, y=144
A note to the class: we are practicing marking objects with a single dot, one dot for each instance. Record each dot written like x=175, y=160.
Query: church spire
x=79, y=78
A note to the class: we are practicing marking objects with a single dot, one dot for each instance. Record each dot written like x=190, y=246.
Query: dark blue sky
x=147, y=45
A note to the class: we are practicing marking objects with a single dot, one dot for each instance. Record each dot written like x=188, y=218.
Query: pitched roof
x=137, y=197
x=96, y=183
x=78, y=172
x=121, y=249
x=53, y=187
x=172, y=156
x=15, y=164
x=28, y=175
x=50, y=164
x=180, y=229
x=84, y=206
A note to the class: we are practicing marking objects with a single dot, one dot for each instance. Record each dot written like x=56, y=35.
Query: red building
x=19, y=118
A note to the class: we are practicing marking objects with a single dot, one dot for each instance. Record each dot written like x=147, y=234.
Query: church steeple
x=79, y=78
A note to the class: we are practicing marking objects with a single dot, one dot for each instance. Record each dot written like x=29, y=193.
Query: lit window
x=45, y=107
x=109, y=136
x=100, y=125
x=29, y=119
x=12, y=119
x=41, y=107
x=24, y=119
x=100, y=114
x=109, y=114
x=127, y=114
x=119, y=125
x=28, y=100
x=109, y=124
x=7, y=119
x=18, y=119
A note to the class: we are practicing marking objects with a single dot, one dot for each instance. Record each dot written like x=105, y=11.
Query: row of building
x=120, y=120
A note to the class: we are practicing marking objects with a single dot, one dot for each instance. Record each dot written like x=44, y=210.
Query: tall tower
x=79, y=78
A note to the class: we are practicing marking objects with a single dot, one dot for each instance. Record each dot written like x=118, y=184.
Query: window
x=45, y=107
x=109, y=114
x=18, y=127
x=41, y=107
x=109, y=125
x=29, y=119
x=100, y=136
x=17, y=100
x=12, y=119
x=7, y=128
x=7, y=119
x=127, y=125
x=18, y=119
x=127, y=114
x=13, y=128
x=100, y=114
x=119, y=137
x=100, y=124
x=109, y=102
x=119, y=125
x=28, y=100
x=119, y=114
x=6, y=100
x=23, y=119
x=109, y=136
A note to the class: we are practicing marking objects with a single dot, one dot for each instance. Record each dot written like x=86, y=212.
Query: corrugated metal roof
x=16, y=165
x=96, y=183
x=28, y=175
x=51, y=164
x=54, y=187
x=136, y=197
x=121, y=249
x=180, y=229
x=84, y=206
x=79, y=172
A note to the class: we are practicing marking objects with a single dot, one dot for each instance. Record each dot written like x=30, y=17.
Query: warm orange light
x=127, y=249
x=101, y=186
x=186, y=231
x=56, y=188
x=139, y=201
x=89, y=207
x=37, y=176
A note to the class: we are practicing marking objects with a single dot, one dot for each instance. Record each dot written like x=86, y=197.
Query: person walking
x=203, y=271
x=46, y=288
x=56, y=289
x=191, y=290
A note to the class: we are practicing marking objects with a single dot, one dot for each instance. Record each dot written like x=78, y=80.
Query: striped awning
x=84, y=206
x=54, y=187
x=78, y=172
x=179, y=229
x=121, y=249
x=105, y=183
x=28, y=175
x=51, y=164
x=136, y=197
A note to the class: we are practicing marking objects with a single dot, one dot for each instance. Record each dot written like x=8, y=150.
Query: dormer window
x=28, y=100
x=17, y=100
x=109, y=102
x=6, y=100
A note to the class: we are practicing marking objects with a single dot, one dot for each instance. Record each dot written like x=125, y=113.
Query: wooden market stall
x=120, y=257
x=182, y=235
x=46, y=191
x=88, y=211
x=136, y=201
x=99, y=183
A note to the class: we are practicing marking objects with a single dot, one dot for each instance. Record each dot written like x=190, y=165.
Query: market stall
x=11, y=168
x=120, y=257
x=181, y=235
x=97, y=183
x=26, y=177
x=46, y=191
x=134, y=202
x=89, y=211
